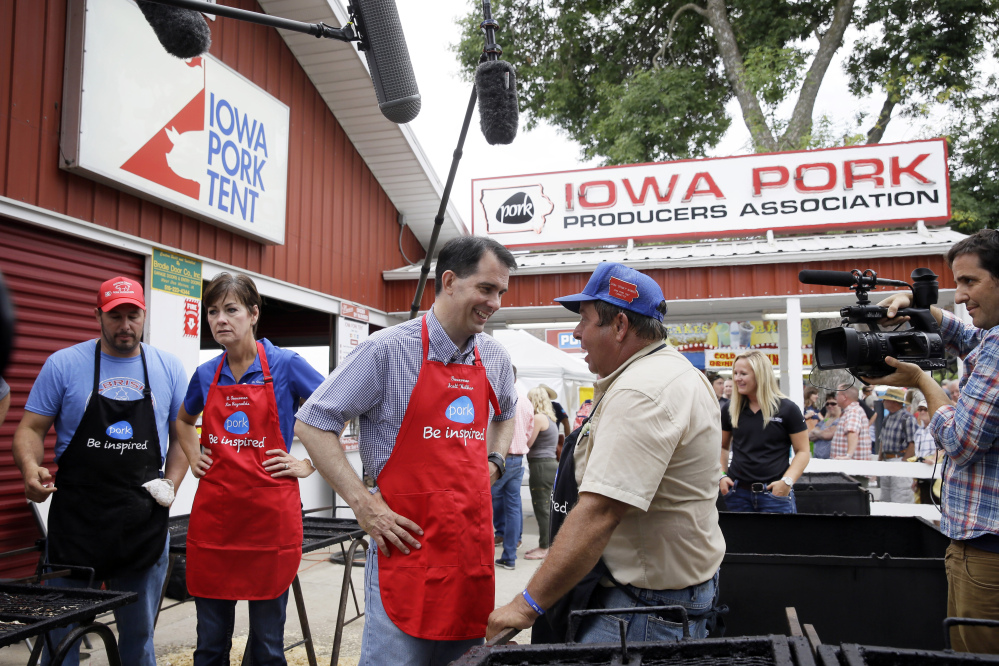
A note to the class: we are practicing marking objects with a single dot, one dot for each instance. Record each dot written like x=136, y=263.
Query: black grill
x=29, y=610
x=867, y=655
x=744, y=651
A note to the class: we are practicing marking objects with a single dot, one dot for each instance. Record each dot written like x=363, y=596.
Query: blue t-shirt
x=292, y=375
x=64, y=385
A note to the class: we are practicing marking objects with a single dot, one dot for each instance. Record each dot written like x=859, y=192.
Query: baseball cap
x=621, y=286
x=120, y=291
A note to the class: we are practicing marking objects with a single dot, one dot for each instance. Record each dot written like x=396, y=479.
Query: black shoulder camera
x=863, y=352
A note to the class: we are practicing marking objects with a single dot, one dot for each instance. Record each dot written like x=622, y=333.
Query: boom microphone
x=182, y=32
x=384, y=46
x=496, y=85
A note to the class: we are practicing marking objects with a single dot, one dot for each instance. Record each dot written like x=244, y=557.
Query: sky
x=429, y=35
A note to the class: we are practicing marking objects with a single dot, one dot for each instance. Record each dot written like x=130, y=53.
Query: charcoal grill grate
x=28, y=610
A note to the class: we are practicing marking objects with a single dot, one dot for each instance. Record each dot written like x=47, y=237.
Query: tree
x=638, y=80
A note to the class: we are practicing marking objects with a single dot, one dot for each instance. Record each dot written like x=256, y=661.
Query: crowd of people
x=626, y=501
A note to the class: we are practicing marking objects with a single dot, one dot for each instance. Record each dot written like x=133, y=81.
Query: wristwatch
x=788, y=480
x=499, y=461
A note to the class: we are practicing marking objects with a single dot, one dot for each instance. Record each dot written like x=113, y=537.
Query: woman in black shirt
x=760, y=426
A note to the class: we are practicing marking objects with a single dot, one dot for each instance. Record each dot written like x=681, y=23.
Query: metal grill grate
x=318, y=532
x=28, y=610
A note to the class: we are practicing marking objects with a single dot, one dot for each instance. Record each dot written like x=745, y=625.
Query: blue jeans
x=135, y=621
x=698, y=600
x=823, y=449
x=742, y=498
x=508, y=515
x=216, y=618
x=383, y=643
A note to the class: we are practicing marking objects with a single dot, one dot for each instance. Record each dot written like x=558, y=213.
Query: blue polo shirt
x=293, y=378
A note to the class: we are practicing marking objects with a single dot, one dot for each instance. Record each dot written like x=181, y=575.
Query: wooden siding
x=342, y=230
x=702, y=282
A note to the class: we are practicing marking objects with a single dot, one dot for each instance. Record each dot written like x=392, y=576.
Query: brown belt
x=893, y=455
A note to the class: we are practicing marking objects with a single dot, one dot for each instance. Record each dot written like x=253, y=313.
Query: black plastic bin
x=747, y=651
x=858, y=579
x=831, y=493
x=867, y=655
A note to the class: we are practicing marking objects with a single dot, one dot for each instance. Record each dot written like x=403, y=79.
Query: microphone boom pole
x=346, y=34
x=491, y=51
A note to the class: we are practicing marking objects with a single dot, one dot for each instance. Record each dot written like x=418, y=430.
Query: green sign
x=176, y=274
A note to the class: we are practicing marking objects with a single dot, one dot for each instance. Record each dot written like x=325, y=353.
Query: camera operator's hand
x=906, y=375
x=894, y=303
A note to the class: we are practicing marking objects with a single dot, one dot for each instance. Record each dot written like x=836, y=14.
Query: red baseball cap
x=120, y=291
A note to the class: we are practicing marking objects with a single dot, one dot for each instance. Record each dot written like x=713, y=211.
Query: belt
x=515, y=455
x=897, y=454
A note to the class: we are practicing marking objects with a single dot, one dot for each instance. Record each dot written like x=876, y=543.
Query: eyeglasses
x=831, y=404
x=922, y=409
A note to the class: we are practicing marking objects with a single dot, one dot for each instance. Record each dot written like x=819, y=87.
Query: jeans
x=896, y=488
x=972, y=591
x=541, y=483
x=384, y=644
x=822, y=449
x=134, y=621
x=741, y=498
x=216, y=618
x=698, y=600
x=508, y=516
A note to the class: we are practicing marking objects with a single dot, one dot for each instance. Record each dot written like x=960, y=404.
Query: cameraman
x=968, y=432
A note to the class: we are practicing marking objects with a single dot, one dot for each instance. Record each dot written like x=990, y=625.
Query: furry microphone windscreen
x=183, y=33
x=496, y=86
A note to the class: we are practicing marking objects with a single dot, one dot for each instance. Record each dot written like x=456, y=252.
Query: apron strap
x=146, y=392
x=425, y=334
x=97, y=366
x=264, y=367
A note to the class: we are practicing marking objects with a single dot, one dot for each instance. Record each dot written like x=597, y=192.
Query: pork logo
x=515, y=209
x=461, y=410
x=120, y=430
x=237, y=423
x=626, y=291
x=518, y=209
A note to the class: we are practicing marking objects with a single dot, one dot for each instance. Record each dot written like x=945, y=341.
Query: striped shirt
x=375, y=381
x=853, y=420
x=968, y=432
x=898, y=430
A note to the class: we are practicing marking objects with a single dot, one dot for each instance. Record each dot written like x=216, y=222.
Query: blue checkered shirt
x=968, y=433
x=375, y=381
x=898, y=430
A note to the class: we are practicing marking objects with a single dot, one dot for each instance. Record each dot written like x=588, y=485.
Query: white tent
x=540, y=363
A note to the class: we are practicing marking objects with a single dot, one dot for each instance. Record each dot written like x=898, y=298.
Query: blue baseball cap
x=621, y=286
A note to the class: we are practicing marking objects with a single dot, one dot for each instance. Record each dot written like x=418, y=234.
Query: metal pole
x=314, y=29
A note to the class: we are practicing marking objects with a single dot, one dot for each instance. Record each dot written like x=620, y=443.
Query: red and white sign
x=192, y=317
x=837, y=188
x=193, y=134
x=723, y=359
x=354, y=312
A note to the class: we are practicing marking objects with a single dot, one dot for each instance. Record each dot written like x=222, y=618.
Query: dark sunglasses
x=831, y=404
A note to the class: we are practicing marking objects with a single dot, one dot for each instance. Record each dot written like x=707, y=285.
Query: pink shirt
x=523, y=424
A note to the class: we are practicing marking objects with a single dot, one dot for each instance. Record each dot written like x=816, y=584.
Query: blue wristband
x=532, y=603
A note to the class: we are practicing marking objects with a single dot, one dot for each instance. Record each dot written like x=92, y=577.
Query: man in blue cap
x=634, y=499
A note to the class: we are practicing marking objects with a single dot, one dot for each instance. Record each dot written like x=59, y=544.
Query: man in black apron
x=112, y=401
x=634, y=499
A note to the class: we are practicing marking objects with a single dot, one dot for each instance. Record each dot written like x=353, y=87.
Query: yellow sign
x=176, y=274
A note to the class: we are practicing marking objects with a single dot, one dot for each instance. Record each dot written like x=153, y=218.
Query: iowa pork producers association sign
x=812, y=191
x=192, y=134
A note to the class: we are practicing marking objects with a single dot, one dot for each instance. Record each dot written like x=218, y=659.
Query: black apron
x=101, y=516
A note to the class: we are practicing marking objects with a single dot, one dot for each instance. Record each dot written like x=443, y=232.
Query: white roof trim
x=340, y=74
x=826, y=247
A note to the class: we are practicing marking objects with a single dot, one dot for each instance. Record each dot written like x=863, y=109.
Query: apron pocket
x=273, y=516
x=435, y=513
x=209, y=522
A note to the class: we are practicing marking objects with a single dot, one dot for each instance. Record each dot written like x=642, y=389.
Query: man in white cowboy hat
x=896, y=443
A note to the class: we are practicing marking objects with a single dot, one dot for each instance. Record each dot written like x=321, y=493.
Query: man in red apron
x=113, y=402
x=435, y=398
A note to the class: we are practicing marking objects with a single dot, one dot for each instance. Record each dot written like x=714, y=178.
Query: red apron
x=438, y=477
x=245, y=536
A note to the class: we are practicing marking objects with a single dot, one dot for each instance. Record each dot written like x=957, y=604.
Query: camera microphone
x=182, y=32
x=828, y=278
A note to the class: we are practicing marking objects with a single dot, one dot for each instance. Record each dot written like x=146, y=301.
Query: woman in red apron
x=245, y=536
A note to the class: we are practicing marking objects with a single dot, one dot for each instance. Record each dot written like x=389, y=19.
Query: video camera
x=863, y=352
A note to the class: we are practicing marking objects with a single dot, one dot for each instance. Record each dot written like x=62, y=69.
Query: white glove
x=161, y=490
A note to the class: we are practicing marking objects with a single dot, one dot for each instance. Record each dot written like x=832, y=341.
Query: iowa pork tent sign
x=839, y=188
